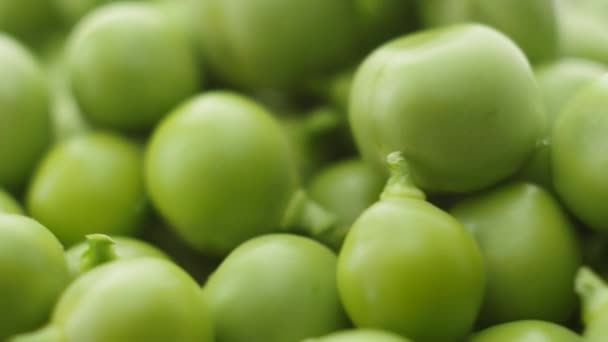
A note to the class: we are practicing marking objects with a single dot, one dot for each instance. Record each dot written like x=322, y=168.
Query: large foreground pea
x=594, y=297
x=361, y=335
x=275, y=288
x=92, y=183
x=129, y=65
x=25, y=127
x=33, y=272
x=408, y=267
x=145, y=299
x=8, y=204
x=522, y=231
x=455, y=128
x=526, y=331
x=579, y=158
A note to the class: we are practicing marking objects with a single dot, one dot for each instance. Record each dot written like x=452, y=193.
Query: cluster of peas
x=303, y=170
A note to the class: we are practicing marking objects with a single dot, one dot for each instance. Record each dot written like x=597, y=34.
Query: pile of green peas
x=303, y=171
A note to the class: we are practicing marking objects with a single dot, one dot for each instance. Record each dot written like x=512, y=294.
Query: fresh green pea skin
x=25, y=128
x=145, y=299
x=423, y=267
x=598, y=330
x=121, y=59
x=583, y=34
x=381, y=20
x=436, y=122
x=92, y=183
x=219, y=170
x=275, y=288
x=71, y=11
x=578, y=155
x=524, y=331
x=125, y=248
x=360, y=335
x=33, y=272
x=522, y=231
x=27, y=20
x=532, y=24
x=9, y=205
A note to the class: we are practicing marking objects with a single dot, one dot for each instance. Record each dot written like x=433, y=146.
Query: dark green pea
x=27, y=20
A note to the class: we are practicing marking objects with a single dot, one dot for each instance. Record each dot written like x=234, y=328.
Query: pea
x=594, y=297
x=361, y=335
x=25, y=128
x=346, y=189
x=452, y=128
x=522, y=230
x=8, y=204
x=33, y=272
x=27, y=20
x=146, y=299
x=579, y=161
x=524, y=331
x=408, y=267
x=98, y=249
x=583, y=33
x=92, y=183
x=121, y=59
x=219, y=170
x=275, y=288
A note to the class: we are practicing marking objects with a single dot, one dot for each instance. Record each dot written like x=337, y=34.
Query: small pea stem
x=307, y=217
x=593, y=292
x=49, y=333
x=399, y=184
x=101, y=250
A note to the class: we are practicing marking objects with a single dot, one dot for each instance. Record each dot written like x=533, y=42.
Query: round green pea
x=583, y=33
x=579, y=161
x=522, y=231
x=8, y=204
x=146, y=299
x=360, y=335
x=526, y=331
x=275, y=288
x=219, y=170
x=129, y=65
x=25, y=127
x=33, y=273
x=92, y=183
x=455, y=128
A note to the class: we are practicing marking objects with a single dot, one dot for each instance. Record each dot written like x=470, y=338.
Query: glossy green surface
x=275, y=288
x=361, y=335
x=579, y=161
x=33, y=272
x=453, y=128
x=25, y=127
x=145, y=299
x=523, y=233
x=219, y=170
x=526, y=331
x=122, y=58
x=29, y=20
x=92, y=183
x=8, y=204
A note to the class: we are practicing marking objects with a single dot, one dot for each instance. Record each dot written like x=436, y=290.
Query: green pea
x=146, y=299
x=531, y=24
x=455, y=128
x=579, y=161
x=92, y=183
x=275, y=288
x=25, y=128
x=361, y=335
x=593, y=292
x=522, y=231
x=129, y=65
x=28, y=20
x=33, y=272
x=410, y=268
x=583, y=33
x=526, y=331
x=98, y=249
x=8, y=204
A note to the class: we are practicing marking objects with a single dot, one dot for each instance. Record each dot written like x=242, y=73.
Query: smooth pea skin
x=526, y=331
x=8, y=204
x=531, y=24
x=124, y=247
x=92, y=183
x=275, y=288
x=147, y=299
x=33, y=272
x=361, y=335
x=25, y=125
x=579, y=158
x=523, y=232
x=219, y=170
x=583, y=32
x=558, y=82
x=408, y=267
x=129, y=65
x=454, y=129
